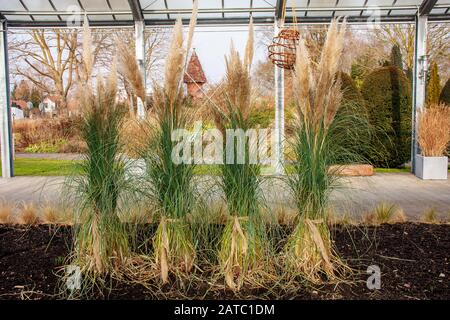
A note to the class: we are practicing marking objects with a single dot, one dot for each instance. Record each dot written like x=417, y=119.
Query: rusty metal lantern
x=282, y=49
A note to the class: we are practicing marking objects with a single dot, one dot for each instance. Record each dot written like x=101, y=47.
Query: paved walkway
x=357, y=196
x=50, y=156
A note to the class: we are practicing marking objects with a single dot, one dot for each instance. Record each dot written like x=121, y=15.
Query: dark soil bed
x=413, y=259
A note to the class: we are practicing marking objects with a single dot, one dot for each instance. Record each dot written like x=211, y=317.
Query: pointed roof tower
x=194, y=72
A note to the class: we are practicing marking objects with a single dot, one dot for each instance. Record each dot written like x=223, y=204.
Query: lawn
x=392, y=170
x=44, y=167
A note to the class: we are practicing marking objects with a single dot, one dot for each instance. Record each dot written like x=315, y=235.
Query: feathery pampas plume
x=175, y=62
x=237, y=84
x=434, y=130
x=129, y=68
x=192, y=25
x=317, y=88
x=87, y=50
x=248, y=58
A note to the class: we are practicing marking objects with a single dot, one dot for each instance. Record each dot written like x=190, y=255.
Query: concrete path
x=357, y=196
x=49, y=156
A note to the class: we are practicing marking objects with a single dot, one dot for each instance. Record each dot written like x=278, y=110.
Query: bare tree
x=156, y=48
x=438, y=46
x=50, y=59
x=47, y=58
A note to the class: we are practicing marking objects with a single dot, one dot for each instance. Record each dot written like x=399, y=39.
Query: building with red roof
x=194, y=77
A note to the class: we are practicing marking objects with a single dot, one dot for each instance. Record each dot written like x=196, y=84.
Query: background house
x=18, y=108
x=49, y=105
x=194, y=77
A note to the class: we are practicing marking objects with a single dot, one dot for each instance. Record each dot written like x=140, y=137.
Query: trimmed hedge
x=388, y=99
x=350, y=91
x=353, y=108
x=445, y=93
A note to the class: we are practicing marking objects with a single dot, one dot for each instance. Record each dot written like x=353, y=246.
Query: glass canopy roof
x=154, y=12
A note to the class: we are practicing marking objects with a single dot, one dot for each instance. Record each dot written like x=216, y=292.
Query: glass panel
x=64, y=5
x=152, y=16
x=299, y=14
x=263, y=14
x=38, y=5
x=13, y=5
x=124, y=17
x=320, y=13
x=403, y=12
x=438, y=11
x=350, y=3
x=177, y=4
x=298, y=3
x=380, y=3
x=209, y=15
x=347, y=13
x=371, y=12
x=119, y=5
x=152, y=4
x=17, y=18
x=90, y=5
x=180, y=15
x=322, y=4
x=45, y=18
x=237, y=15
x=265, y=3
x=209, y=4
x=408, y=2
x=102, y=17
x=237, y=3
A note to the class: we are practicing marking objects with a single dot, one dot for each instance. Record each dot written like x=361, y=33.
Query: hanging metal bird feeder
x=282, y=49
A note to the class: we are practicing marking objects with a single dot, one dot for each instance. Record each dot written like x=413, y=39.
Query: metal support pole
x=5, y=114
x=419, y=81
x=140, y=58
x=279, y=116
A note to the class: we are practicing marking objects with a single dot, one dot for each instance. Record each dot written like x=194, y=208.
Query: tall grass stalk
x=323, y=135
x=242, y=244
x=170, y=185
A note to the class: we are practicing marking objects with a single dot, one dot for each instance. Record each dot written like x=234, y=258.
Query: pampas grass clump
x=28, y=214
x=50, y=215
x=434, y=130
x=320, y=140
x=242, y=247
x=170, y=185
x=6, y=213
x=101, y=242
x=429, y=216
x=385, y=213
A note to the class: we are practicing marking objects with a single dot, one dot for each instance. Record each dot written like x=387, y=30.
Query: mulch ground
x=413, y=260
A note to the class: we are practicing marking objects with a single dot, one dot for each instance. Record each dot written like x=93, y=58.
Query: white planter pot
x=435, y=168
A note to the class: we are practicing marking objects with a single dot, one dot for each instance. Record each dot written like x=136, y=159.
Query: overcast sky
x=212, y=43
